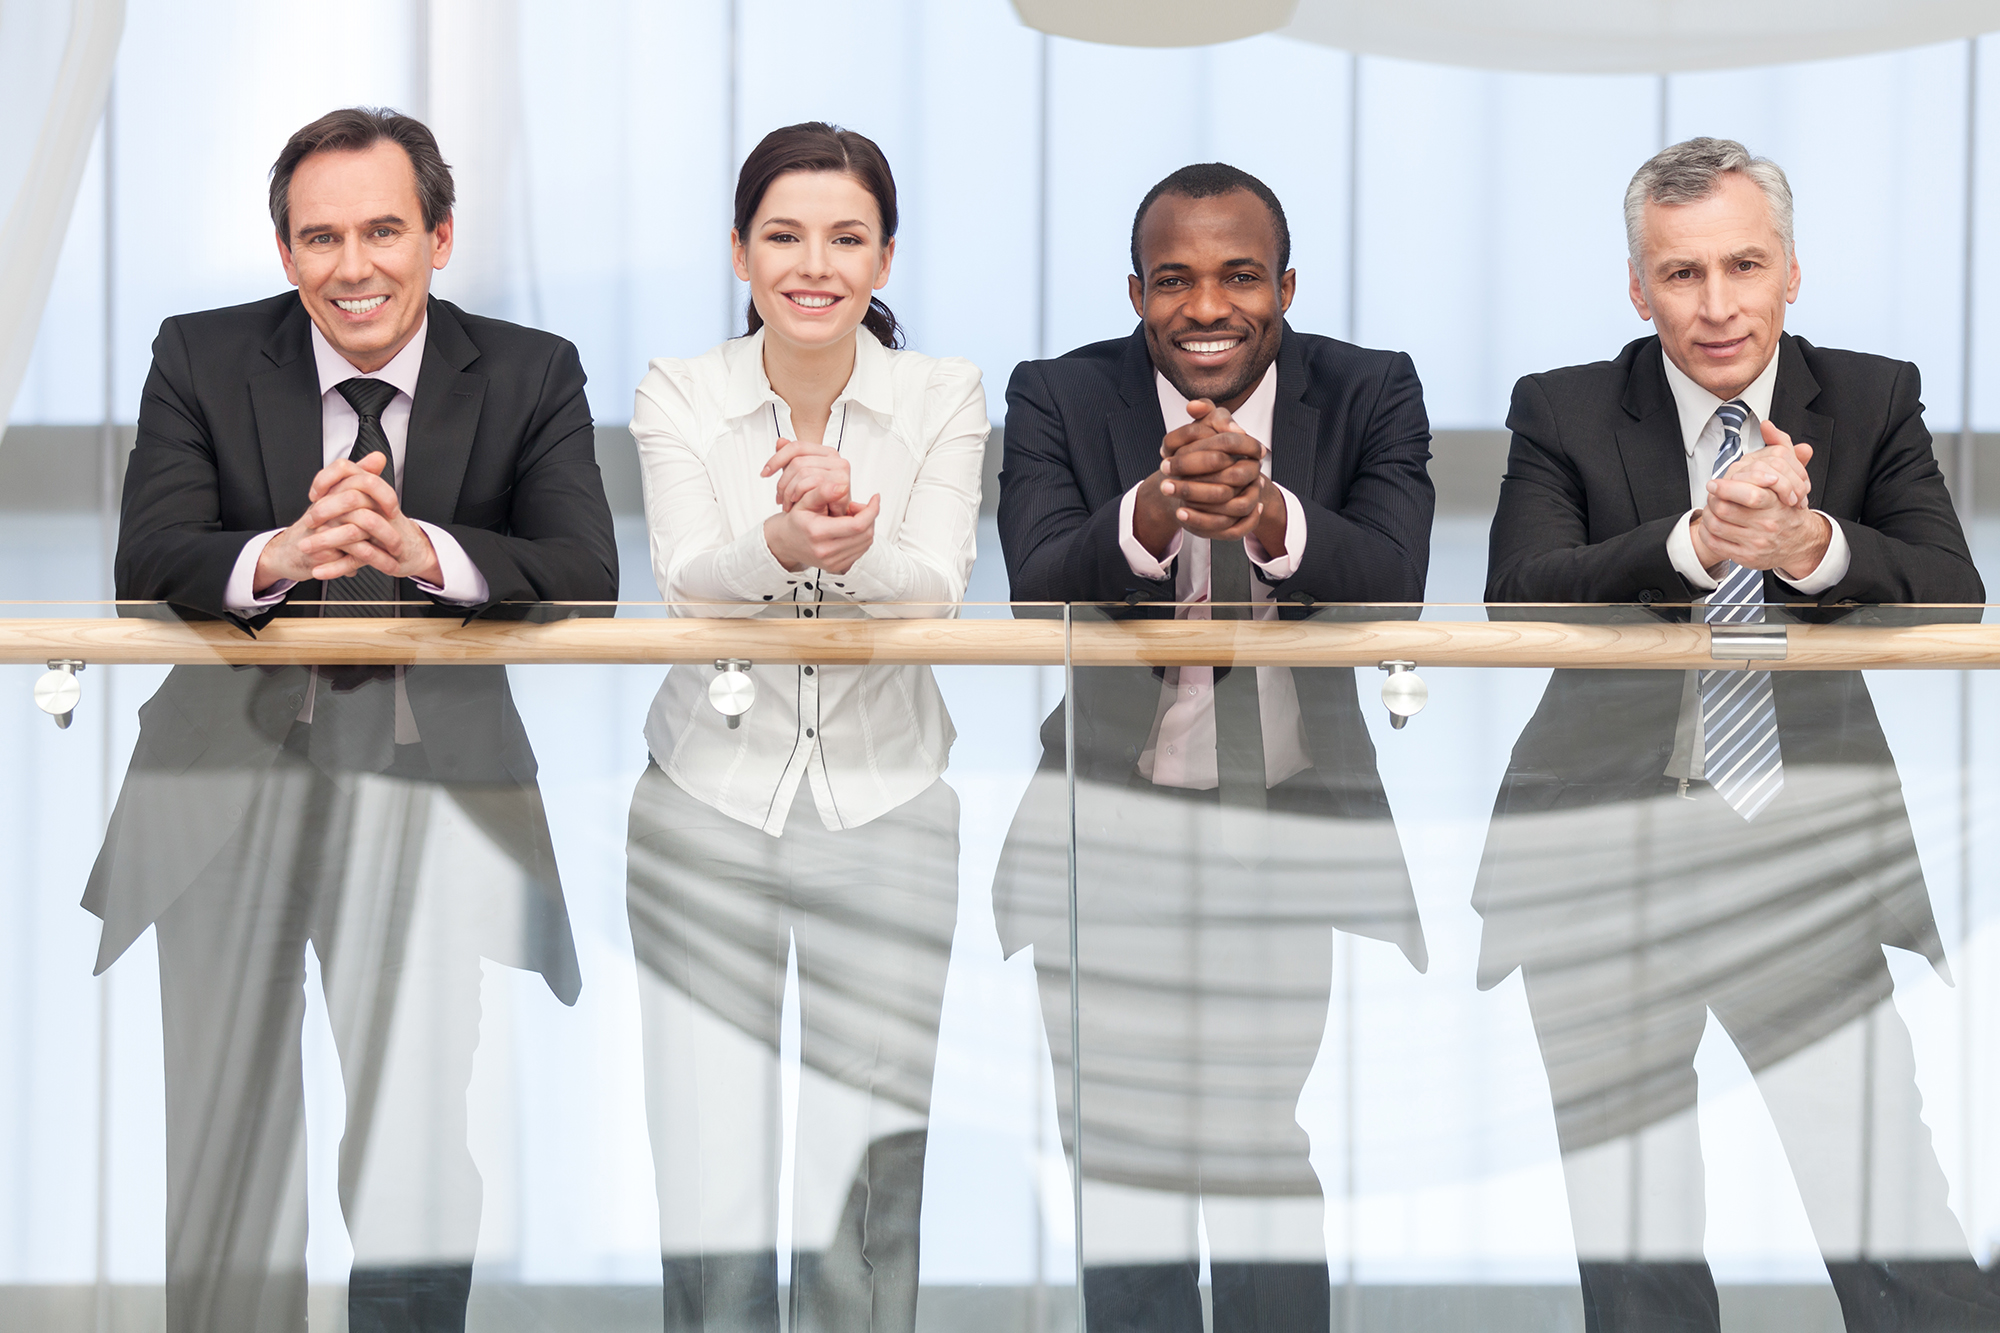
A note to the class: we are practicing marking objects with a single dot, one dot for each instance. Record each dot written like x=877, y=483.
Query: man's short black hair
x=1206, y=180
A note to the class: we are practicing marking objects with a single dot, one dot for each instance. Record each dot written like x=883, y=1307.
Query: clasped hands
x=353, y=520
x=1210, y=483
x=817, y=525
x=1757, y=513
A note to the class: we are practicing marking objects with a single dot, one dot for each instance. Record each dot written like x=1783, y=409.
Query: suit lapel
x=1137, y=428
x=285, y=400
x=1791, y=399
x=444, y=417
x=1650, y=443
x=1294, y=441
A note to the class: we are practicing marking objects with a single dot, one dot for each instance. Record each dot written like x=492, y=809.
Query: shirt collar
x=402, y=370
x=870, y=383
x=1697, y=405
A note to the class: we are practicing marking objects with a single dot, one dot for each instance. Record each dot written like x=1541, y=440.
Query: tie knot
x=367, y=397
x=1733, y=415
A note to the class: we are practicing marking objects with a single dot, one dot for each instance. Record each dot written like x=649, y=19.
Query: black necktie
x=1239, y=728
x=354, y=721
x=368, y=398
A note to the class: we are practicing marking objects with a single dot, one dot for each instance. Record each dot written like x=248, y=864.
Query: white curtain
x=1567, y=36
x=56, y=58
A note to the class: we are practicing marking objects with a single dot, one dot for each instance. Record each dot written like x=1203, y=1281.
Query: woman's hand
x=802, y=538
x=811, y=476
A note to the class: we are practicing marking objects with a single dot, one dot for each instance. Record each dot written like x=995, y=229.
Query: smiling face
x=1716, y=280
x=359, y=253
x=814, y=256
x=1211, y=297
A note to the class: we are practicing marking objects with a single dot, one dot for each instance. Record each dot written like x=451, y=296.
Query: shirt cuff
x=1832, y=566
x=463, y=584
x=1138, y=558
x=1680, y=550
x=240, y=593
x=1286, y=565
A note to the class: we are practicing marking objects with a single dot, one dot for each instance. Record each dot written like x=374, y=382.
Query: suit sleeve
x=1908, y=545
x=171, y=543
x=1058, y=549
x=1376, y=546
x=1540, y=548
x=558, y=545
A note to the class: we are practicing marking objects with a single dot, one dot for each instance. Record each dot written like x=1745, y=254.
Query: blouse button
x=809, y=671
x=809, y=733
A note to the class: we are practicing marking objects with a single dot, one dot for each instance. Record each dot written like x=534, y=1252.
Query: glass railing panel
x=514, y=979
x=1648, y=1049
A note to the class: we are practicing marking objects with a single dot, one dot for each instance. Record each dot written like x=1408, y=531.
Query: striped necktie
x=1739, y=718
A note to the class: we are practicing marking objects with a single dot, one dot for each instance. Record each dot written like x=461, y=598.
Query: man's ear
x=441, y=238
x=1132, y=285
x=1288, y=287
x=285, y=258
x=1638, y=293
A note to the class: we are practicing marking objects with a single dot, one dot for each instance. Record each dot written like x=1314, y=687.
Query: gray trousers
x=334, y=865
x=717, y=907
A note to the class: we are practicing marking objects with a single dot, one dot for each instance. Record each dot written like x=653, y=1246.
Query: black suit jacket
x=1349, y=438
x=1597, y=477
x=501, y=455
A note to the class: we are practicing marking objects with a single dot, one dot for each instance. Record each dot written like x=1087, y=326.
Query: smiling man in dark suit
x=1213, y=463
x=329, y=452
x=1667, y=845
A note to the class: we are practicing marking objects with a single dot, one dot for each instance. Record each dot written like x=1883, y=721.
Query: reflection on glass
x=1637, y=903
x=268, y=811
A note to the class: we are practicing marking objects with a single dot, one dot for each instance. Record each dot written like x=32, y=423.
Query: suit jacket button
x=294, y=700
x=1648, y=596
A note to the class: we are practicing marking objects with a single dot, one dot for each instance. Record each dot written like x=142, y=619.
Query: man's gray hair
x=1689, y=172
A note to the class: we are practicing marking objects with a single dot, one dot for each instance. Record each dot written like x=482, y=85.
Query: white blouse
x=913, y=428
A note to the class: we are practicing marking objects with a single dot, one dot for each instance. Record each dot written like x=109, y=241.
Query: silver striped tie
x=1739, y=718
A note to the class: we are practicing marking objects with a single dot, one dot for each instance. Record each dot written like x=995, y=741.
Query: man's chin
x=1221, y=385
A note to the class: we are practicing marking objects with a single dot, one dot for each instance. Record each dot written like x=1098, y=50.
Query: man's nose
x=1209, y=304
x=354, y=266
x=1718, y=300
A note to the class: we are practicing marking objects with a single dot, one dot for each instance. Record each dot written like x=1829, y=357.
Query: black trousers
x=331, y=864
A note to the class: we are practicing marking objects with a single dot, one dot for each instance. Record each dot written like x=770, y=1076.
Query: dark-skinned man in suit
x=332, y=451
x=1671, y=845
x=1228, y=822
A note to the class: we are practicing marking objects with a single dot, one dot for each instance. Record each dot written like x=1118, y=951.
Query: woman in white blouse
x=809, y=469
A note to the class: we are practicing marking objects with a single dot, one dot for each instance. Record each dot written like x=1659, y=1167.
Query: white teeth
x=1222, y=346
x=360, y=307
x=814, y=302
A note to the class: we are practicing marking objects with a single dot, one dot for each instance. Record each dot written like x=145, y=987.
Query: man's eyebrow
x=320, y=228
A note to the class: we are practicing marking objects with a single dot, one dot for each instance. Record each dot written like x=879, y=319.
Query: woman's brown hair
x=818, y=146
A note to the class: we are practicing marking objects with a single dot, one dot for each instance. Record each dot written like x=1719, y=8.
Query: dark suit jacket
x=1349, y=438
x=1597, y=477
x=501, y=455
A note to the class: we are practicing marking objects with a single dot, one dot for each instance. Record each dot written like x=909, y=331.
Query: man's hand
x=1211, y=484
x=1757, y=513
x=354, y=520
x=811, y=475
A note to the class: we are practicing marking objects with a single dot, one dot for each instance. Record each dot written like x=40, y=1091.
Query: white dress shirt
x=1181, y=750
x=1701, y=437
x=340, y=424
x=913, y=429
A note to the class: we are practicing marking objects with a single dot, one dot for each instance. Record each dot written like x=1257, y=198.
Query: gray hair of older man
x=1690, y=172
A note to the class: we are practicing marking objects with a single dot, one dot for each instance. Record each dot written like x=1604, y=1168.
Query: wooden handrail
x=1035, y=642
